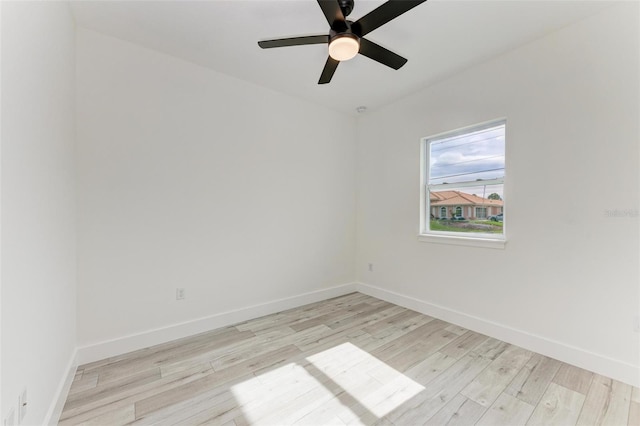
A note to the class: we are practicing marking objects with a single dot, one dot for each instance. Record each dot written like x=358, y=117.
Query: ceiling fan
x=346, y=38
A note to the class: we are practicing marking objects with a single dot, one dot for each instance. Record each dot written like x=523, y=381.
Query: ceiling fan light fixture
x=344, y=47
x=346, y=38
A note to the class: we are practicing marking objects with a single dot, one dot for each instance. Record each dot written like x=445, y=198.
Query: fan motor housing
x=347, y=32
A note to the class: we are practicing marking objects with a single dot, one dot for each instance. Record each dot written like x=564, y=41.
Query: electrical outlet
x=636, y=323
x=22, y=405
x=371, y=267
x=10, y=420
x=180, y=294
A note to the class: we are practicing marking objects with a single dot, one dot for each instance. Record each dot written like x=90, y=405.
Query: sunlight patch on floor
x=339, y=385
x=376, y=386
x=278, y=396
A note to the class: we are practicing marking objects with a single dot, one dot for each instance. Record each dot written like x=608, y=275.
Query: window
x=462, y=178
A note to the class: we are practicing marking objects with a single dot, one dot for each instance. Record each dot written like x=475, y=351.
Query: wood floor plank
x=256, y=397
x=99, y=392
x=359, y=322
x=421, y=350
x=506, y=410
x=252, y=347
x=381, y=422
x=486, y=388
x=634, y=408
x=403, y=318
x=395, y=346
x=457, y=412
x=574, y=378
x=352, y=332
x=303, y=313
x=456, y=329
x=634, y=414
x=427, y=370
x=181, y=358
x=463, y=344
x=607, y=403
x=378, y=401
x=215, y=402
x=331, y=316
x=532, y=381
x=119, y=416
x=559, y=406
x=78, y=375
x=301, y=406
x=84, y=382
x=491, y=348
x=122, y=398
x=440, y=390
x=238, y=371
x=246, y=401
x=329, y=339
x=351, y=328
x=329, y=386
x=352, y=360
x=360, y=317
x=389, y=333
x=132, y=357
x=338, y=364
x=326, y=414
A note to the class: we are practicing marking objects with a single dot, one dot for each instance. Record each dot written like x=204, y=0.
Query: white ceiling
x=439, y=38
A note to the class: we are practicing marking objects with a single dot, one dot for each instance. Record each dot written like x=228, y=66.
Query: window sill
x=463, y=241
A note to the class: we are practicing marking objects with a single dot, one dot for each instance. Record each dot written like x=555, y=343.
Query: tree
x=494, y=196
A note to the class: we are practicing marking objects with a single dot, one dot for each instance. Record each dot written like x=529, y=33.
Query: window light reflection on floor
x=341, y=384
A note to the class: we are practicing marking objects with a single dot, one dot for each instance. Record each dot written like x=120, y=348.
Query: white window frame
x=487, y=240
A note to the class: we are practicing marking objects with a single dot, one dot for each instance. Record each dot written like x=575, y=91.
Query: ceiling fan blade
x=383, y=14
x=294, y=41
x=329, y=69
x=380, y=54
x=332, y=11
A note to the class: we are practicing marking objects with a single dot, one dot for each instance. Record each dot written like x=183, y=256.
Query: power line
x=464, y=136
x=470, y=161
x=464, y=174
x=463, y=144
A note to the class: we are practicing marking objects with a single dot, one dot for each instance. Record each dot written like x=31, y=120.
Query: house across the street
x=447, y=204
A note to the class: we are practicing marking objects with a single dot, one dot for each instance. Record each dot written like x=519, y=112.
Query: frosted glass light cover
x=343, y=48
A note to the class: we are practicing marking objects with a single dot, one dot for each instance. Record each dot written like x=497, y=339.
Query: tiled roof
x=457, y=198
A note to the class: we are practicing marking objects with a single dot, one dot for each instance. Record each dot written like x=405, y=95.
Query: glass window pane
x=468, y=157
x=468, y=209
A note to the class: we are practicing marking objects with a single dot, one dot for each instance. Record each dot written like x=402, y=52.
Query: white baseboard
x=615, y=369
x=157, y=336
x=55, y=410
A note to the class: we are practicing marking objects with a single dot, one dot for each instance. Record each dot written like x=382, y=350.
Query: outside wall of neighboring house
x=467, y=211
x=468, y=203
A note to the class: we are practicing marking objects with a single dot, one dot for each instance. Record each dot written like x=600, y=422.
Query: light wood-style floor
x=349, y=360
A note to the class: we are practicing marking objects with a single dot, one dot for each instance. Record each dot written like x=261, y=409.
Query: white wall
x=38, y=204
x=569, y=274
x=189, y=178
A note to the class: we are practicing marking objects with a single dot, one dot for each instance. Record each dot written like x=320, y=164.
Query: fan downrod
x=346, y=6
